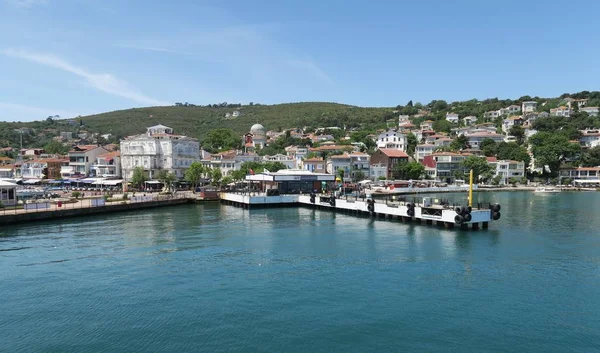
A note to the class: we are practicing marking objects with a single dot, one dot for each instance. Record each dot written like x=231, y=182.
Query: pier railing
x=52, y=205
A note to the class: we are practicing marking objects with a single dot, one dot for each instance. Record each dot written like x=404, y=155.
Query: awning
x=587, y=181
x=111, y=182
x=153, y=182
x=32, y=181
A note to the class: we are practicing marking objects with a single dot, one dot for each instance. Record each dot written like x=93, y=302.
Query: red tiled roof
x=110, y=155
x=491, y=159
x=429, y=162
x=390, y=152
x=313, y=160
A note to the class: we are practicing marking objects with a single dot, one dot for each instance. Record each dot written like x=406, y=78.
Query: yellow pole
x=471, y=188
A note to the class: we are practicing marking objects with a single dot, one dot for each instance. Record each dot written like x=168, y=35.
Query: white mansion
x=158, y=149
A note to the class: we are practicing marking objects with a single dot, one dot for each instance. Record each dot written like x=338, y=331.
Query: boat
x=543, y=190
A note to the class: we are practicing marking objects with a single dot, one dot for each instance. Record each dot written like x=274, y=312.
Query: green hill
x=196, y=121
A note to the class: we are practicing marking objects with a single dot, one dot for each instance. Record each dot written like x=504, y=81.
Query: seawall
x=8, y=218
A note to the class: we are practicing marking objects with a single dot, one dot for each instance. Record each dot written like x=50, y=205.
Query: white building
x=491, y=114
x=256, y=138
x=360, y=163
x=298, y=153
x=508, y=169
x=475, y=139
x=470, y=120
x=589, y=138
x=427, y=125
x=158, y=149
x=288, y=161
x=393, y=140
x=81, y=159
x=592, y=111
x=561, y=111
x=512, y=109
x=452, y=117
x=8, y=193
x=508, y=123
x=421, y=151
x=108, y=165
x=529, y=106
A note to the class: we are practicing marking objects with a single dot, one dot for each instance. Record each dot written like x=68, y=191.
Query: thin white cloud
x=310, y=67
x=25, y=3
x=155, y=49
x=103, y=82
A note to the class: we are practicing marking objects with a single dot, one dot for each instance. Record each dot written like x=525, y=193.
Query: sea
x=216, y=278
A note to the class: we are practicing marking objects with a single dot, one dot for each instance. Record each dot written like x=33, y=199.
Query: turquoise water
x=213, y=278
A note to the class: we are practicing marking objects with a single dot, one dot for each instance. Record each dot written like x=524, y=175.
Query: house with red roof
x=384, y=160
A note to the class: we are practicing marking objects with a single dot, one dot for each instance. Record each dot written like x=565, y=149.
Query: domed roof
x=257, y=128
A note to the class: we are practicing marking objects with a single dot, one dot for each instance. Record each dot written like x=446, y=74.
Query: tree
x=550, y=150
x=139, y=177
x=221, y=139
x=512, y=151
x=216, y=175
x=55, y=147
x=591, y=158
x=461, y=142
x=489, y=147
x=411, y=143
x=166, y=178
x=408, y=170
x=518, y=132
x=358, y=176
x=479, y=165
x=194, y=173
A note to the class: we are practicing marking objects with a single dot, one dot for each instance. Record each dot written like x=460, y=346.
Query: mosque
x=256, y=138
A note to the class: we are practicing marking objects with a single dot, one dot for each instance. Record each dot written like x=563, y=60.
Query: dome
x=257, y=129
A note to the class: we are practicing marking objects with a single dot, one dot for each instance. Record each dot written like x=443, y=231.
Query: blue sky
x=72, y=57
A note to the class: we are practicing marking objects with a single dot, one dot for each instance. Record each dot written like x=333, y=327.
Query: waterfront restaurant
x=293, y=181
x=8, y=193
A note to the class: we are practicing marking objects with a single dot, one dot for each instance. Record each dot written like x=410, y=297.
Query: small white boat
x=547, y=191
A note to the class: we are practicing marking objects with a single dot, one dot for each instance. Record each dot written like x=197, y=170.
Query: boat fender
x=468, y=209
x=468, y=217
x=410, y=212
x=458, y=210
x=332, y=201
x=312, y=198
x=496, y=216
x=496, y=207
x=458, y=219
x=371, y=207
x=410, y=205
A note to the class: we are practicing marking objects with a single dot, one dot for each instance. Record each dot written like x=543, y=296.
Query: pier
x=423, y=211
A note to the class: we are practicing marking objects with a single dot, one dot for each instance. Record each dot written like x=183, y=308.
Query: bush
x=76, y=194
x=381, y=178
x=125, y=196
x=106, y=197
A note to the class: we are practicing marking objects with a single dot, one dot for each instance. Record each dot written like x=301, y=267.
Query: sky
x=79, y=57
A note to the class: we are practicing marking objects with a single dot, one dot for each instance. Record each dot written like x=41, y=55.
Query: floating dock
x=423, y=211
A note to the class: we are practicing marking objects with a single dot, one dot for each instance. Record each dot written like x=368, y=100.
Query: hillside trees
x=550, y=150
x=479, y=165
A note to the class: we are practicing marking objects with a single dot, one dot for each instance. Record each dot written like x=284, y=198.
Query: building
x=476, y=138
x=298, y=153
x=340, y=162
x=315, y=165
x=508, y=123
x=571, y=102
x=512, y=109
x=360, y=165
x=470, y=120
x=529, y=106
x=491, y=114
x=158, y=149
x=387, y=159
x=592, y=111
x=392, y=139
x=256, y=138
x=448, y=166
x=421, y=151
x=8, y=193
x=7, y=167
x=507, y=169
x=427, y=125
x=561, y=111
x=589, y=138
x=452, y=117
x=581, y=173
x=81, y=159
x=288, y=161
x=46, y=168
x=32, y=152
x=108, y=165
